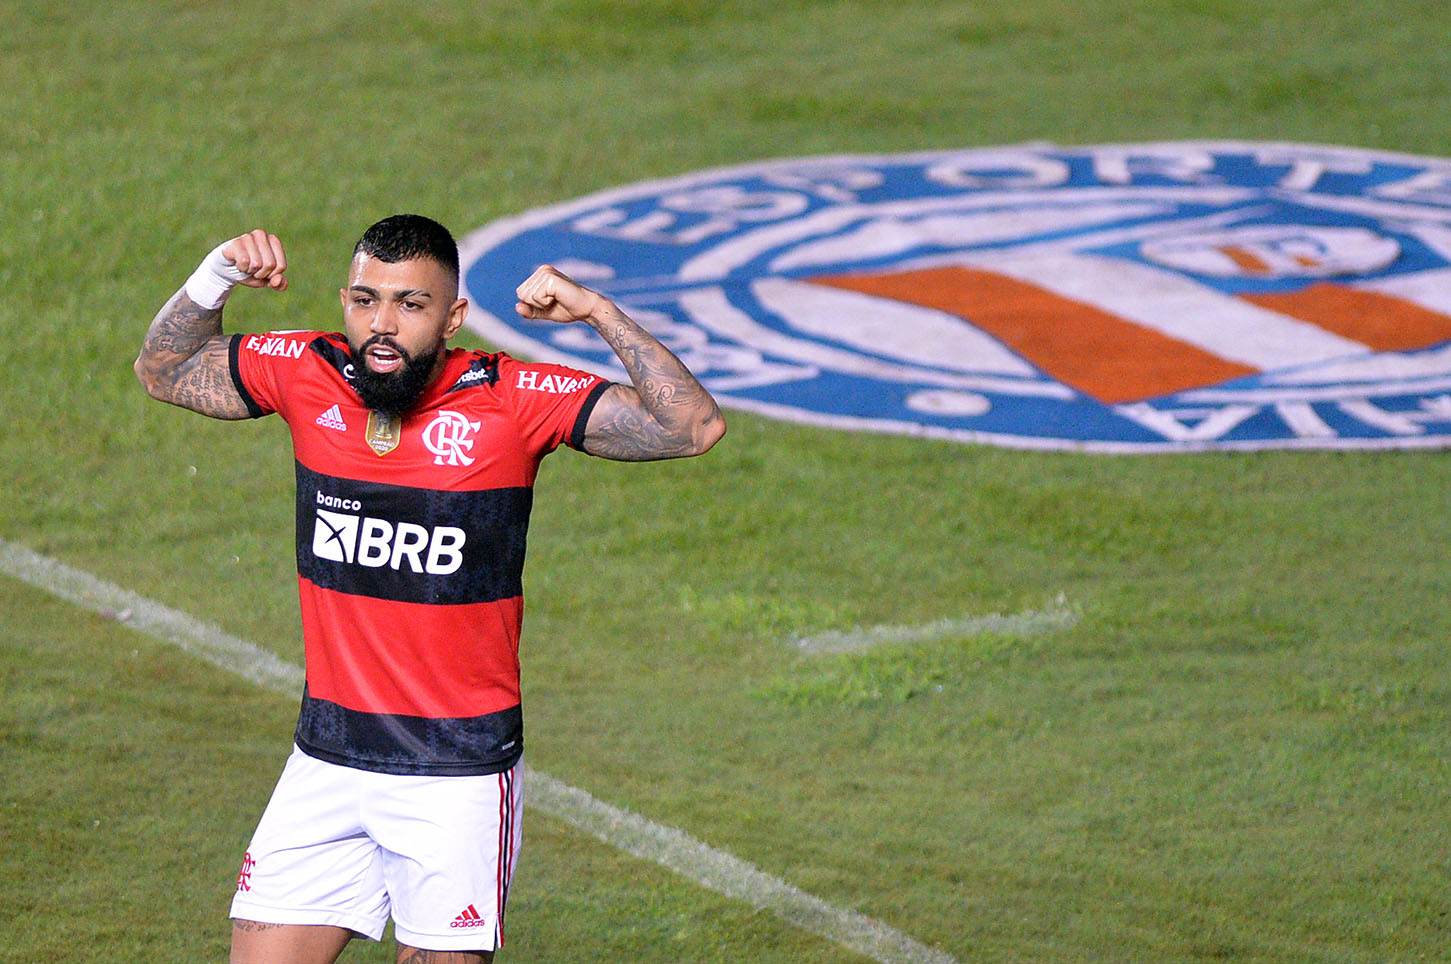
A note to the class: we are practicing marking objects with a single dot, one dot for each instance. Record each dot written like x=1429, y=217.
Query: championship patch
x=1121, y=298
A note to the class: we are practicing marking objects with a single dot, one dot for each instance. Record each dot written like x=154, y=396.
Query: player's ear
x=456, y=316
x=343, y=297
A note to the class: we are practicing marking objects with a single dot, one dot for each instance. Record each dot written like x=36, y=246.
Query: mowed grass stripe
x=623, y=829
x=1028, y=622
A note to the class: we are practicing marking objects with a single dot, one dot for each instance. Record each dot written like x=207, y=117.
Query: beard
x=394, y=393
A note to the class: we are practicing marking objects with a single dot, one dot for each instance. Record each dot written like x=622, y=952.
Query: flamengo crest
x=1117, y=298
x=447, y=437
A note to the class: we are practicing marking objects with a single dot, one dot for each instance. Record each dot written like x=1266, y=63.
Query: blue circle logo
x=1121, y=298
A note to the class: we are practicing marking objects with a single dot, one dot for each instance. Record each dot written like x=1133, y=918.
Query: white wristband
x=213, y=280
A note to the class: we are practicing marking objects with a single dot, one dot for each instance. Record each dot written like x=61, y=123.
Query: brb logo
x=350, y=537
x=447, y=437
x=1122, y=298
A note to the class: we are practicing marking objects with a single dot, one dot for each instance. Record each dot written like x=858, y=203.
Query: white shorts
x=348, y=847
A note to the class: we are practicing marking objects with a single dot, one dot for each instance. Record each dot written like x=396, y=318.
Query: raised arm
x=184, y=357
x=667, y=414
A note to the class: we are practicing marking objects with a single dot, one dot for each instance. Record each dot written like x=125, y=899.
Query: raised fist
x=259, y=256
x=551, y=295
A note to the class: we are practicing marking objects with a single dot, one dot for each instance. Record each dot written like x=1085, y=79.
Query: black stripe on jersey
x=410, y=745
x=481, y=371
x=581, y=421
x=411, y=545
x=334, y=356
x=253, y=409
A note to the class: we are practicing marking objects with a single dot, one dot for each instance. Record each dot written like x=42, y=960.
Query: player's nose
x=385, y=320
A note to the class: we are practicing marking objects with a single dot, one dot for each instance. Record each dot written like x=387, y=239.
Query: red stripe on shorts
x=499, y=873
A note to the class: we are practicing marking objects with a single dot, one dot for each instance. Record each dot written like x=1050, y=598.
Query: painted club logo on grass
x=1124, y=298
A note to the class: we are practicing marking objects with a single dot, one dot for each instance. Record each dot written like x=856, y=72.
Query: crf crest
x=449, y=437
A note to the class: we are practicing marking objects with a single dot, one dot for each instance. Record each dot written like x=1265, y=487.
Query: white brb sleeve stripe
x=620, y=828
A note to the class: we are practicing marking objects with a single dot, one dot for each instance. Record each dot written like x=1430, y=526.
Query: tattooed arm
x=184, y=358
x=666, y=415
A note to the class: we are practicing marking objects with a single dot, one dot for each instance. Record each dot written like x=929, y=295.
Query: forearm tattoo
x=184, y=360
x=673, y=414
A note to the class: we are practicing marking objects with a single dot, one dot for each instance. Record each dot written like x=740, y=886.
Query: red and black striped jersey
x=410, y=547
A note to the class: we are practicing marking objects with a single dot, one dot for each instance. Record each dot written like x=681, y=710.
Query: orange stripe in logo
x=1379, y=321
x=1102, y=355
x=1247, y=260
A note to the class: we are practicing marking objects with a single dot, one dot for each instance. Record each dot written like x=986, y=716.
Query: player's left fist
x=549, y=294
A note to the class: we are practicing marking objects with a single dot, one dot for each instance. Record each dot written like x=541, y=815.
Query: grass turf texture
x=111, y=738
x=1240, y=751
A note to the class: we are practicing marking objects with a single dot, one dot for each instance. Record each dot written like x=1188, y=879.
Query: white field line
x=1029, y=622
x=150, y=617
x=620, y=828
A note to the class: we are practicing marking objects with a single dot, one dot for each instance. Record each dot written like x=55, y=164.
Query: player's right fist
x=550, y=294
x=259, y=256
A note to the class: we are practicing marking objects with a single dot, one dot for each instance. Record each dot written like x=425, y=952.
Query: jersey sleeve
x=552, y=403
x=262, y=367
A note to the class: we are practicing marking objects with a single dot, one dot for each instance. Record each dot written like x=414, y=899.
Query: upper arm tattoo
x=666, y=415
x=620, y=428
x=184, y=360
x=203, y=383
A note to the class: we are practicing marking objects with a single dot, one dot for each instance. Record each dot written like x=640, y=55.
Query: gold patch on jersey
x=384, y=432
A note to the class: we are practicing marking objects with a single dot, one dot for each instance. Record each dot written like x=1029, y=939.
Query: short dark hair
x=401, y=237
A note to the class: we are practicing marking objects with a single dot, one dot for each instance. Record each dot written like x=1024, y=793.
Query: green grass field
x=1241, y=750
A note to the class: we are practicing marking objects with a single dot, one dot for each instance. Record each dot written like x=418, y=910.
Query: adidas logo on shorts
x=469, y=918
x=332, y=418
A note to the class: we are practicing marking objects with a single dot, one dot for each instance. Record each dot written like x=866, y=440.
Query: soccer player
x=415, y=465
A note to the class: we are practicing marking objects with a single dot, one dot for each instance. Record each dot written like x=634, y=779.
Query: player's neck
x=439, y=364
